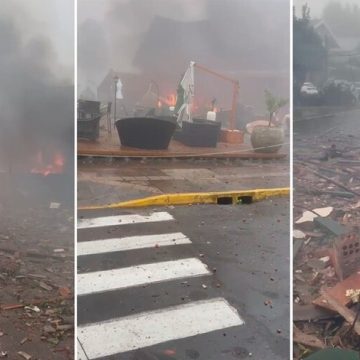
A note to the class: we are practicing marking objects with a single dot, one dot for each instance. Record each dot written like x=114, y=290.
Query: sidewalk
x=102, y=182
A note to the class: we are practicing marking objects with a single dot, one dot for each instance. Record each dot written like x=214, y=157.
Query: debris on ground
x=327, y=246
x=36, y=282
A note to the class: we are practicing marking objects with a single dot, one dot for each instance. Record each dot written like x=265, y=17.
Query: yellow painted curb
x=222, y=198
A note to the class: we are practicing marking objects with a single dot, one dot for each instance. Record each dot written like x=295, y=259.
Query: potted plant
x=269, y=137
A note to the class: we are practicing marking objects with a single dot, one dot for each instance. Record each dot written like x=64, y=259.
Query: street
x=187, y=282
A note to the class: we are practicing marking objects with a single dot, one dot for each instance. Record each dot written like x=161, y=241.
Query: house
x=165, y=58
x=340, y=48
x=323, y=30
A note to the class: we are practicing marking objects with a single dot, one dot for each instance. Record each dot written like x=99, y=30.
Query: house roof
x=326, y=34
x=169, y=42
x=336, y=43
x=169, y=45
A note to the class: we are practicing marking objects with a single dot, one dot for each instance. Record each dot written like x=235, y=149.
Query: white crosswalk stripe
x=123, y=220
x=102, y=281
x=80, y=352
x=146, y=328
x=130, y=243
x=150, y=328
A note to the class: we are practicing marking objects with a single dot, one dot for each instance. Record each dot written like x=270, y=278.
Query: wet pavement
x=188, y=282
x=103, y=181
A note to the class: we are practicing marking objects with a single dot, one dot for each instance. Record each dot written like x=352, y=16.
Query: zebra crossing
x=103, y=282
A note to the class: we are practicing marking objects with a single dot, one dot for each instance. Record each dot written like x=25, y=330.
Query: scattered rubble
x=36, y=283
x=326, y=245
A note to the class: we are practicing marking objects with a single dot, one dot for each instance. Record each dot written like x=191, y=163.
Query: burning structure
x=163, y=42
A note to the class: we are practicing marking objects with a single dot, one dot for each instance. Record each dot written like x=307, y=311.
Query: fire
x=171, y=100
x=54, y=166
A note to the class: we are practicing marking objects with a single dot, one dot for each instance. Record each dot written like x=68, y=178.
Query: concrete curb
x=218, y=198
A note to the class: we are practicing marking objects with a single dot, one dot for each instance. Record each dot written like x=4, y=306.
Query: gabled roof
x=170, y=44
x=324, y=31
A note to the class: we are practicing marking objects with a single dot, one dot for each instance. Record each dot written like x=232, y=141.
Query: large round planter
x=145, y=132
x=199, y=133
x=267, y=139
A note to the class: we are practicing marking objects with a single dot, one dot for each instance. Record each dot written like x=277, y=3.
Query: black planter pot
x=199, y=133
x=88, y=129
x=145, y=132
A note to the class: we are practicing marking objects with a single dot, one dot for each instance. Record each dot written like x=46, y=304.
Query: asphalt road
x=192, y=282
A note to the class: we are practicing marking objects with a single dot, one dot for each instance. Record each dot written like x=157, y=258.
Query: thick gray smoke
x=36, y=107
x=158, y=38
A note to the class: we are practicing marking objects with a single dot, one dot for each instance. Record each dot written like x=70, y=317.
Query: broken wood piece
x=24, y=340
x=36, y=302
x=33, y=254
x=343, y=194
x=310, y=312
x=338, y=292
x=24, y=355
x=335, y=183
x=45, y=286
x=306, y=339
x=12, y=307
x=345, y=312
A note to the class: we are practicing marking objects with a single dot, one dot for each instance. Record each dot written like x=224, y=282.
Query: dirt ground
x=36, y=273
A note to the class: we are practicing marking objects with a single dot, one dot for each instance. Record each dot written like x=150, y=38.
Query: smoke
x=36, y=104
x=158, y=38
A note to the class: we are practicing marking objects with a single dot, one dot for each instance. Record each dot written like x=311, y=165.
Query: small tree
x=273, y=104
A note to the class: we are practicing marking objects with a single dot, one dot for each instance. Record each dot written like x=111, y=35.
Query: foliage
x=309, y=53
x=333, y=93
x=273, y=104
x=338, y=93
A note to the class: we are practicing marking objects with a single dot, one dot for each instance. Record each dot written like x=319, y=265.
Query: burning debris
x=54, y=165
x=36, y=105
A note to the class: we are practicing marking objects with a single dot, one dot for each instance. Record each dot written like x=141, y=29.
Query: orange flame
x=171, y=100
x=42, y=167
